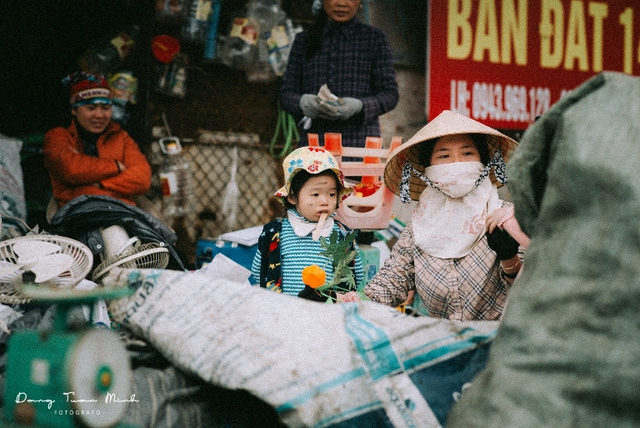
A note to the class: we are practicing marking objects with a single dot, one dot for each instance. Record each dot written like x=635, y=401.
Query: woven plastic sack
x=351, y=364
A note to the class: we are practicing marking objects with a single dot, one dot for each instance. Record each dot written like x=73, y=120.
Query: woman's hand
x=310, y=106
x=495, y=218
x=502, y=243
x=344, y=111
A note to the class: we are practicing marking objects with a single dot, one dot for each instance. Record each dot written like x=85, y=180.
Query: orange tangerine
x=314, y=276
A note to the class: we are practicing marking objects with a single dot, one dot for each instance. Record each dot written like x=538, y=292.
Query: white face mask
x=455, y=179
x=450, y=220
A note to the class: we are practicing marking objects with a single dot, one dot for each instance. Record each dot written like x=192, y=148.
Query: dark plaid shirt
x=355, y=61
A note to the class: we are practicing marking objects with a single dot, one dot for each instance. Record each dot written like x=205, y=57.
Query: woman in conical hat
x=453, y=167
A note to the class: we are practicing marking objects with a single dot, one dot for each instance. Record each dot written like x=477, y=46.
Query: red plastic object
x=372, y=209
x=165, y=47
x=313, y=140
x=370, y=180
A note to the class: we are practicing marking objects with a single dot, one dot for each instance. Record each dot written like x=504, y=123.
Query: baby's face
x=318, y=195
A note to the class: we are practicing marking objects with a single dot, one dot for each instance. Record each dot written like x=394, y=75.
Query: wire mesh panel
x=256, y=180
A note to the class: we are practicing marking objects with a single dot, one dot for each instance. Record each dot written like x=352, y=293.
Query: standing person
x=314, y=187
x=94, y=155
x=459, y=270
x=354, y=60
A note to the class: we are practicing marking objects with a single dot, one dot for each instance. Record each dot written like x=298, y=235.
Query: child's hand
x=495, y=218
x=350, y=296
x=311, y=294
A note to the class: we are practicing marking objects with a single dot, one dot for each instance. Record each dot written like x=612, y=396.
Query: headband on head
x=87, y=88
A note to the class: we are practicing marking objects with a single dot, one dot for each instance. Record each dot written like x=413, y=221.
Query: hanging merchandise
x=238, y=49
x=164, y=47
x=172, y=77
x=268, y=15
x=260, y=70
x=108, y=56
x=169, y=8
x=178, y=86
x=279, y=41
x=195, y=29
x=176, y=180
x=231, y=194
x=172, y=71
x=287, y=125
x=123, y=89
x=253, y=38
x=211, y=42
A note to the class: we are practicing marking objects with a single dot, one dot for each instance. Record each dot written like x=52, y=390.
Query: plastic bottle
x=267, y=14
x=176, y=180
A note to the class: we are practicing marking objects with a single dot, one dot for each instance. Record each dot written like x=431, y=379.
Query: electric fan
x=121, y=251
x=50, y=262
x=79, y=377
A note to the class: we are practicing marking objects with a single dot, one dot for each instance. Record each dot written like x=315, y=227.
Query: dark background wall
x=41, y=41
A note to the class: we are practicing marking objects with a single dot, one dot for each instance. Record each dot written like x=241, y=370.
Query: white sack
x=316, y=364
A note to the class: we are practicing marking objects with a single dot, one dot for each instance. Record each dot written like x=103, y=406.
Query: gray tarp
x=567, y=353
x=13, y=208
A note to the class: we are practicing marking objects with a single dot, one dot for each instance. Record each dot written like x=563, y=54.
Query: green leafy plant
x=341, y=254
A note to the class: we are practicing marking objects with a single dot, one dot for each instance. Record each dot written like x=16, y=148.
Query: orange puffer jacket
x=74, y=173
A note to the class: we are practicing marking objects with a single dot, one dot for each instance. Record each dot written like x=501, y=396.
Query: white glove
x=310, y=106
x=347, y=108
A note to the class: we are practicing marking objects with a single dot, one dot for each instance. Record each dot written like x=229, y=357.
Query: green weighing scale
x=63, y=377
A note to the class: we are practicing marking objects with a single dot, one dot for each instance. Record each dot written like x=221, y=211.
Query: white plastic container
x=176, y=180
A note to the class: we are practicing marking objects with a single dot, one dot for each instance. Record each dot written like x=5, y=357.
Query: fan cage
x=81, y=267
x=143, y=256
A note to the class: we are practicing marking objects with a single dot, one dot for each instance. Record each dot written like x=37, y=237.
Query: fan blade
x=7, y=268
x=51, y=266
x=29, y=252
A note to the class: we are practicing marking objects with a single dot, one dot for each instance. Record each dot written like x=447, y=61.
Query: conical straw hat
x=446, y=123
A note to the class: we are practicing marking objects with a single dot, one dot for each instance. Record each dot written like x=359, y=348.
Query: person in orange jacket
x=94, y=155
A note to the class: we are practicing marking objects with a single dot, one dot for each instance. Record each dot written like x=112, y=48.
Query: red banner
x=504, y=62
